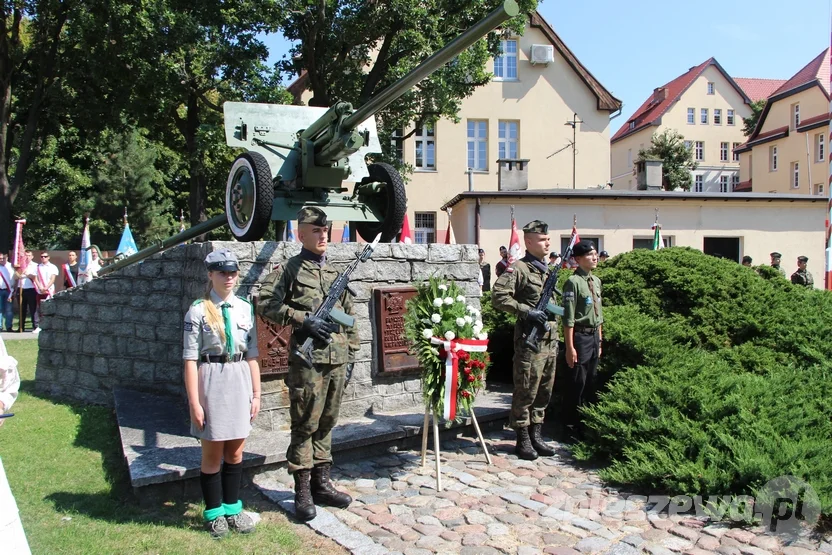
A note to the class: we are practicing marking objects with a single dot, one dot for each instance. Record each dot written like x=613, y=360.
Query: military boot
x=323, y=492
x=524, y=448
x=304, y=507
x=537, y=442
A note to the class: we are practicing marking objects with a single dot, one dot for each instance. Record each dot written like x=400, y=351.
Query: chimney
x=513, y=174
x=659, y=94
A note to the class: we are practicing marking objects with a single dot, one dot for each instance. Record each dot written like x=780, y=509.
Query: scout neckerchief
x=229, y=338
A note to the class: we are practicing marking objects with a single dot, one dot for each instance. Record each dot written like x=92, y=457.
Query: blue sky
x=636, y=46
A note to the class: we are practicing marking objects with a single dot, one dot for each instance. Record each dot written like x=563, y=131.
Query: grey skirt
x=225, y=396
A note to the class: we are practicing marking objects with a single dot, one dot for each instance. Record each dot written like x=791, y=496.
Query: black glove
x=319, y=328
x=537, y=317
x=348, y=374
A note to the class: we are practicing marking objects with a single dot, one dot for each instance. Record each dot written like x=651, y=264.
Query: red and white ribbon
x=69, y=277
x=451, y=348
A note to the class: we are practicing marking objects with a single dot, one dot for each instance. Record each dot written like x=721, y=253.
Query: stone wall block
x=391, y=272
x=438, y=252
x=243, y=250
x=338, y=252
x=266, y=251
x=409, y=252
x=143, y=370
x=470, y=253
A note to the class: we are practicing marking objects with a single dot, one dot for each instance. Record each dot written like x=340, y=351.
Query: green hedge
x=719, y=377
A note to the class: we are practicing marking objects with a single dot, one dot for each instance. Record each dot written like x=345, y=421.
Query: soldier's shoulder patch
x=188, y=326
x=197, y=302
x=568, y=296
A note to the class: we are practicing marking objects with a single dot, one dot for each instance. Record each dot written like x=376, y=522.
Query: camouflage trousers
x=534, y=378
x=315, y=400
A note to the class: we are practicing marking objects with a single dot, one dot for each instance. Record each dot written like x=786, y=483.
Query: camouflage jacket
x=296, y=289
x=517, y=291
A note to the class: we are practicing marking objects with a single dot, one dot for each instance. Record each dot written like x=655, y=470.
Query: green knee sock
x=233, y=509
x=212, y=514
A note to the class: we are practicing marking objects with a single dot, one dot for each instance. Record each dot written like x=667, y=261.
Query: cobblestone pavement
x=513, y=506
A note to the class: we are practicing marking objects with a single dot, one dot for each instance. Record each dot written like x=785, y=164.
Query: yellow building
x=787, y=152
x=729, y=225
x=706, y=106
x=538, y=86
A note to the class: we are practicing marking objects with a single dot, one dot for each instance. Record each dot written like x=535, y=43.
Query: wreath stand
x=430, y=412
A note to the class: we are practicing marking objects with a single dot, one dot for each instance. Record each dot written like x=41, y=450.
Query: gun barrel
x=187, y=235
x=500, y=15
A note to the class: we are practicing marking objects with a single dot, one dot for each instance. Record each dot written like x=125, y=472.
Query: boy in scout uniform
x=517, y=292
x=583, y=319
x=802, y=276
x=289, y=296
x=775, y=263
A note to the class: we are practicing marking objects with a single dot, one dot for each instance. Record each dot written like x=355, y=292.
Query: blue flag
x=290, y=232
x=127, y=245
x=345, y=236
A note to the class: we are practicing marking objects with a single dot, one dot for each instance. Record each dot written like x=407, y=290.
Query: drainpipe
x=477, y=223
x=470, y=179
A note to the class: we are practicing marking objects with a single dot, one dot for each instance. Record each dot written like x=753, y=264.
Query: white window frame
x=723, y=151
x=691, y=116
x=423, y=233
x=795, y=175
x=698, y=183
x=735, y=181
x=397, y=142
x=632, y=125
x=475, y=143
x=717, y=116
x=502, y=67
x=729, y=117
x=505, y=143
x=699, y=151
x=711, y=88
x=723, y=183
x=424, y=138
x=736, y=154
x=772, y=158
x=703, y=116
x=820, y=147
x=796, y=115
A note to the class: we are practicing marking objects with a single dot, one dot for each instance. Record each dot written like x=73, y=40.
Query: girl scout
x=222, y=379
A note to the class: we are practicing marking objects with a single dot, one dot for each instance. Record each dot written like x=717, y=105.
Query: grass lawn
x=67, y=473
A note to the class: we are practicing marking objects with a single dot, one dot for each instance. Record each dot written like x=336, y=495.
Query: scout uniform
x=517, y=291
x=803, y=276
x=289, y=296
x=224, y=388
x=582, y=312
x=775, y=263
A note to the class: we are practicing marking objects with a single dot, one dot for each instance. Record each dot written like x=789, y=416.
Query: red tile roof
x=817, y=69
x=743, y=186
x=759, y=89
x=654, y=108
x=823, y=118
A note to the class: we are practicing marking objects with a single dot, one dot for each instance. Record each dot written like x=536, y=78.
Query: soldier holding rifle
x=290, y=296
x=518, y=292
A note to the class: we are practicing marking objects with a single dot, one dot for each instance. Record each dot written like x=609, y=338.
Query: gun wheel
x=392, y=204
x=249, y=194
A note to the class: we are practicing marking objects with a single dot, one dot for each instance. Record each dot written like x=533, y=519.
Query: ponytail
x=212, y=315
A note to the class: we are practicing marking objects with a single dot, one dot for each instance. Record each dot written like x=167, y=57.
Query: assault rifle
x=327, y=310
x=533, y=330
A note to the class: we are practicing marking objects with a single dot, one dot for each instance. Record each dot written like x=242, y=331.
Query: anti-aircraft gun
x=300, y=156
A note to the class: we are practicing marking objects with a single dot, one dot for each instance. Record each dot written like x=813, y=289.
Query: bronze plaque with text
x=273, y=346
x=392, y=346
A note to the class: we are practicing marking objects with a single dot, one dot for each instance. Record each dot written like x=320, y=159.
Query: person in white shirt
x=7, y=283
x=47, y=273
x=93, y=266
x=12, y=537
x=26, y=281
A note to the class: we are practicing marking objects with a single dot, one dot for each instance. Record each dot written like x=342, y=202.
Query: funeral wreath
x=447, y=335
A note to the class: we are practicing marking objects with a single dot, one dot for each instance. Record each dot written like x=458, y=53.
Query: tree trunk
x=198, y=190
x=9, y=39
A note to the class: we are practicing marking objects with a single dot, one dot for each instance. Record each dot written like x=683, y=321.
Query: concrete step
x=158, y=447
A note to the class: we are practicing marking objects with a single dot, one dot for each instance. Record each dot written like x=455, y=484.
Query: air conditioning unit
x=542, y=54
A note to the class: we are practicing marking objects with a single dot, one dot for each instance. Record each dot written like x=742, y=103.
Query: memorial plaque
x=273, y=345
x=392, y=346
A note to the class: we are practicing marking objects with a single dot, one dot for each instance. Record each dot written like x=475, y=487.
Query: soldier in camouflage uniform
x=517, y=292
x=803, y=276
x=583, y=320
x=289, y=296
x=775, y=263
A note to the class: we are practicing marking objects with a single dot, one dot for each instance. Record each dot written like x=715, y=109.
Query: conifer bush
x=718, y=377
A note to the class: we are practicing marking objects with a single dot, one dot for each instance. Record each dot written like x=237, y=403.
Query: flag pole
x=829, y=203
x=125, y=216
x=18, y=235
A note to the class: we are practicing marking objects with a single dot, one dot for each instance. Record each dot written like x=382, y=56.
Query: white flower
x=437, y=302
x=449, y=335
x=468, y=319
x=435, y=318
x=460, y=298
x=477, y=326
x=471, y=309
x=443, y=287
x=427, y=333
x=483, y=336
x=460, y=322
x=449, y=300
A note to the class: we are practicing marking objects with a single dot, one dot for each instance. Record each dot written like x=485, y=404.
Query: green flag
x=657, y=237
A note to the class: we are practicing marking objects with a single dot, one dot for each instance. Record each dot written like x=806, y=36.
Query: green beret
x=776, y=254
x=536, y=226
x=312, y=215
x=803, y=259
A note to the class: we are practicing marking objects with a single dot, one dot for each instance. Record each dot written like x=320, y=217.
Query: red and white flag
x=513, y=242
x=449, y=237
x=573, y=239
x=449, y=350
x=406, y=236
x=19, y=254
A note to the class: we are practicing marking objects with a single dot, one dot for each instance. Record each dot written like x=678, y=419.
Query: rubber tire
x=395, y=208
x=261, y=216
